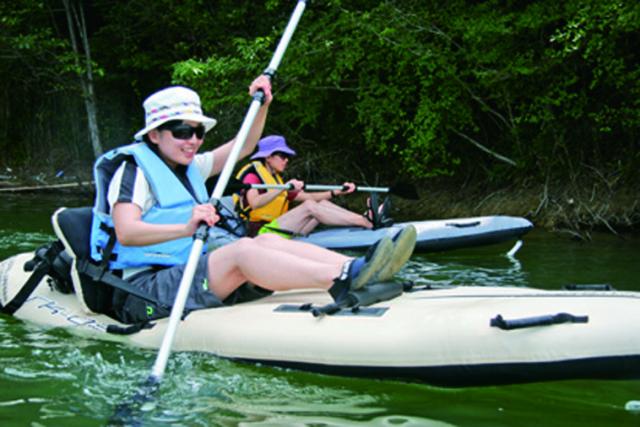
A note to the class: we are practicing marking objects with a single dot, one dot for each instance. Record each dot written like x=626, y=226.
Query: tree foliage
x=492, y=90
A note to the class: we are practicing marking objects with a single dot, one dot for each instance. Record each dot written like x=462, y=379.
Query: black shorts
x=162, y=284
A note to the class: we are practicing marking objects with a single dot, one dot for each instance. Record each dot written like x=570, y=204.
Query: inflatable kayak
x=453, y=336
x=433, y=235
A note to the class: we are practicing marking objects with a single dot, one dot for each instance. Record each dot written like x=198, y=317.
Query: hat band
x=161, y=113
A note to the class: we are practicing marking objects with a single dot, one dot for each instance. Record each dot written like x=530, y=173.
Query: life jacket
x=174, y=205
x=271, y=210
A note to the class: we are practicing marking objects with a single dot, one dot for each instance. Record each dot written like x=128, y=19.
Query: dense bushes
x=490, y=90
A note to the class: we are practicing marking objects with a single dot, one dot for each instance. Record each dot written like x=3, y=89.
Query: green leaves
x=375, y=87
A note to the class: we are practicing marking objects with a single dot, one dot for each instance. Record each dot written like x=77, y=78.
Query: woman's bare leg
x=246, y=260
x=323, y=212
x=306, y=250
x=309, y=226
x=298, y=220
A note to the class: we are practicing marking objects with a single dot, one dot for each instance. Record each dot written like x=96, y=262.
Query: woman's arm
x=131, y=230
x=257, y=200
x=222, y=152
x=349, y=187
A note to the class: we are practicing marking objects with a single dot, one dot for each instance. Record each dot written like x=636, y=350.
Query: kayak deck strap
x=340, y=311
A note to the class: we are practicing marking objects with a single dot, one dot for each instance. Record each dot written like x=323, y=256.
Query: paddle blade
x=233, y=186
x=404, y=190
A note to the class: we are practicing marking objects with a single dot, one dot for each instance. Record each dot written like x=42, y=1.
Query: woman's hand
x=296, y=185
x=201, y=213
x=349, y=187
x=264, y=83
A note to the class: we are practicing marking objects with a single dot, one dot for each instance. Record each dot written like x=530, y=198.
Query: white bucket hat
x=173, y=103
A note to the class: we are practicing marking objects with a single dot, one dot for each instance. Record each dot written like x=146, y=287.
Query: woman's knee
x=243, y=244
x=310, y=206
x=268, y=239
x=231, y=251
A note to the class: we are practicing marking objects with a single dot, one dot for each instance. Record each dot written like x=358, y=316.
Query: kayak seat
x=73, y=227
x=93, y=282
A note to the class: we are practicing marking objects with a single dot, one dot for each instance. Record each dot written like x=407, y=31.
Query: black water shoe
x=404, y=242
x=362, y=270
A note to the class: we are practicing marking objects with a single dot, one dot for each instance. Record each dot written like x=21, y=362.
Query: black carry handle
x=528, y=322
x=462, y=224
x=588, y=287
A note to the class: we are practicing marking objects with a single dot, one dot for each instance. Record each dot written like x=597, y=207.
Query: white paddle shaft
x=317, y=187
x=187, y=278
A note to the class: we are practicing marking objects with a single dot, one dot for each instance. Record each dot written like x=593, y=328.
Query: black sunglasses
x=283, y=156
x=183, y=131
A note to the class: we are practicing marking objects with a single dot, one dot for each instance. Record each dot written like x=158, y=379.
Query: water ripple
x=12, y=242
x=492, y=271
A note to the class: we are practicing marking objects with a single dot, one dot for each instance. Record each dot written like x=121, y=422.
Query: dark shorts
x=162, y=284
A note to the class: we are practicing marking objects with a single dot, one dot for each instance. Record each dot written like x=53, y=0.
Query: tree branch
x=486, y=150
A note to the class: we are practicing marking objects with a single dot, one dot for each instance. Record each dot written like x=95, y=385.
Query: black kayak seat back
x=73, y=227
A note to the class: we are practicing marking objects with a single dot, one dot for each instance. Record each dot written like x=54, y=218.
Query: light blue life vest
x=174, y=205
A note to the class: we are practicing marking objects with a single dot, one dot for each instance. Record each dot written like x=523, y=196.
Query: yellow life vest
x=271, y=210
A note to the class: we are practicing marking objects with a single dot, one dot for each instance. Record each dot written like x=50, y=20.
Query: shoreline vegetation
x=572, y=208
x=515, y=108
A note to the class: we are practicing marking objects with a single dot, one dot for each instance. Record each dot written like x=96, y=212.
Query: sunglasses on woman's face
x=184, y=131
x=283, y=156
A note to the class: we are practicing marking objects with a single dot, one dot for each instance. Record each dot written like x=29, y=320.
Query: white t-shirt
x=129, y=185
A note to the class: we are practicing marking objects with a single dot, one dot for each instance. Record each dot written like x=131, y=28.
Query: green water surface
x=49, y=378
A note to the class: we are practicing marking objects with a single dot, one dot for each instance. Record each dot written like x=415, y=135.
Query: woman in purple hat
x=269, y=211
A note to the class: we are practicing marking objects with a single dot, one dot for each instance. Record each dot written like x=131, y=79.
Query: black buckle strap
x=105, y=276
x=40, y=265
x=107, y=252
x=226, y=215
x=129, y=330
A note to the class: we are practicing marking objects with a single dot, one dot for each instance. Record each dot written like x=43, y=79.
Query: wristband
x=333, y=194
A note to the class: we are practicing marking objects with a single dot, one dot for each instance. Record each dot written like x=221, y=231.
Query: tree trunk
x=77, y=25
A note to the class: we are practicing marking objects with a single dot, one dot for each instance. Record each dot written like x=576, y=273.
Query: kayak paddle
x=401, y=189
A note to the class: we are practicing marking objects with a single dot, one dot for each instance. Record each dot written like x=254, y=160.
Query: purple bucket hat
x=271, y=144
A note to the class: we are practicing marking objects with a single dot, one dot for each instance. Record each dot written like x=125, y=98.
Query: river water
x=49, y=378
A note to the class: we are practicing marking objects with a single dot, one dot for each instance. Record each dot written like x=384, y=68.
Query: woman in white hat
x=151, y=198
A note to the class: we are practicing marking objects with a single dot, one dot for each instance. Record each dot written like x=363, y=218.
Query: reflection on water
x=497, y=270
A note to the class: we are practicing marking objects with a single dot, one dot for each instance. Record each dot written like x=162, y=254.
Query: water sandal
x=379, y=215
